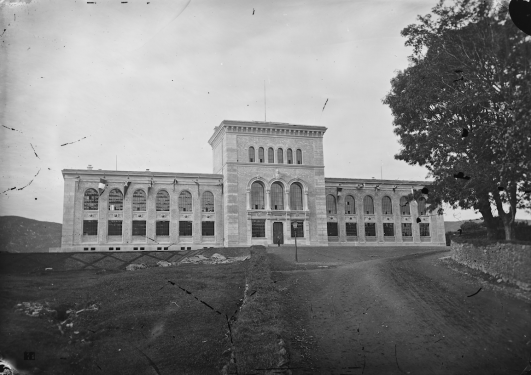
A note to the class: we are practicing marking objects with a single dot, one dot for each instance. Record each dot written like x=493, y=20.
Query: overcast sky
x=148, y=82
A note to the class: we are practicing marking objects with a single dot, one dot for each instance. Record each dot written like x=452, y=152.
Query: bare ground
x=398, y=311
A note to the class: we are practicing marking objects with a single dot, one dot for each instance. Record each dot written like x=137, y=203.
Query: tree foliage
x=464, y=105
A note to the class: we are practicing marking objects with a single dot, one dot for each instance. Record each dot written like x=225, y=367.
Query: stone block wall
x=507, y=261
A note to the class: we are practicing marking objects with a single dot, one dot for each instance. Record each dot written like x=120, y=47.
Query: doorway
x=278, y=231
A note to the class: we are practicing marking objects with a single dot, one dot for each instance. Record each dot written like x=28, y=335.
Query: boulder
x=133, y=266
x=218, y=257
x=163, y=263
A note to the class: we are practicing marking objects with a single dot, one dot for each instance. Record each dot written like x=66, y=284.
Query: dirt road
x=397, y=311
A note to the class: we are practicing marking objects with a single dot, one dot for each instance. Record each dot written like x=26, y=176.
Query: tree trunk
x=485, y=210
x=507, y=218
x=509, y=231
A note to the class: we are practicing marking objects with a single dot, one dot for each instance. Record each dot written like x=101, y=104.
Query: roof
x=110, y=173
x=334, y=181
x=264, y=124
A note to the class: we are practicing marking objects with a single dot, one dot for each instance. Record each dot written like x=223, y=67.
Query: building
x=266, y=177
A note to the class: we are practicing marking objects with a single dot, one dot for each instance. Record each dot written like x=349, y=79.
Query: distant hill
x=23, y=235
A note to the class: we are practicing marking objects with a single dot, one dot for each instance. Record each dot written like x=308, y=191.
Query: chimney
x=89, y=167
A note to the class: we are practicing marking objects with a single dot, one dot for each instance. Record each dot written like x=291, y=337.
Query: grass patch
x=258, y=331
x=140, y=315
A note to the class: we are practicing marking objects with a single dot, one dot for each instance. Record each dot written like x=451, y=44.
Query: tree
x=462, y=109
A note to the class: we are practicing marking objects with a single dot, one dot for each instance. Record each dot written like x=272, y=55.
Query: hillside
x=23, y=235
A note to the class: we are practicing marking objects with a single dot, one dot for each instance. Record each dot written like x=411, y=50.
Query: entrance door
x=278, y=231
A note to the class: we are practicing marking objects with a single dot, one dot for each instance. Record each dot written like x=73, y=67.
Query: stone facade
x=252, y=190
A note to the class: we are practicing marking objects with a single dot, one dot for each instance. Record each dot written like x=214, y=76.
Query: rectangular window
x=389, y=229
x=115, y=228
x=424, y=229
x=207, y=228
x=258, y=228
x=90, y=227
x=331, y=228
x=139, y=228
x=299, y=230
x=370, y=229
x=352, y=229
x=406, y=230
x=163, y=228
x=185, y=228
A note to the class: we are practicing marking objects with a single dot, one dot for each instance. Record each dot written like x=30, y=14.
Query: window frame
x=353, y=206
x=205, y=201
x=392, y=229
x=405, y=210
x=90, y=203
x=186, y=228
x=252, y=154
x=110, y=203
x=254, y=197
x=257, y=228
x=183, y=195
x=300, y=228
x=404, y=229
x=365, y=205
x=387, y=201
x=289, y=156
x=162, y=230
x=160, y=203
x=331, y=210
x=331, y=228
x=368, y=225
x=277, y=197
x=270, y=155
x=422, y=209
x=90, y=228
x=137, y=202
x=208, y=227
x=115, y=223
x=422, y=229
x=261, y=156
x=293, y=203
x=299, y=156
x=350, y=231
x=136, y=230
x=280, y=156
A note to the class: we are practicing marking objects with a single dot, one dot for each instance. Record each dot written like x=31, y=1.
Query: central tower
x=273, y=175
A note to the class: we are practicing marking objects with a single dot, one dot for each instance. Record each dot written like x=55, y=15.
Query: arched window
x=289, y=156
x=368, y=205
x=116, y=200
x=139, y=200
x=270, y=155
x=90, y=200
x=404, y=206
x=295, y=196
x=331, y=204
x=350, y=206
x=261, y=155
x=277, y=196
x=207, y=202
x=251, y=154
x=257, y=196
x=280, y=156
x=387, y=208
x=299, y=156
x=163, y=201
x=421, y=202
x=185, y=201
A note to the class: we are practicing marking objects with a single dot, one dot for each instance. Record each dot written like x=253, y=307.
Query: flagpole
x=265, y=104
x=116, y=162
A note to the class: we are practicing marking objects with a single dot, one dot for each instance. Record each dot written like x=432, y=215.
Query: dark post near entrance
x=295, y=227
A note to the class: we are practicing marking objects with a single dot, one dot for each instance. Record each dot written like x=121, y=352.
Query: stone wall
x=507, y=261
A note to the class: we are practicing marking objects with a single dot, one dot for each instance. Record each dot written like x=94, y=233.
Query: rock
x=163, y=263
x=282, y=352
x=48, y=269
x=218, y=256
x=133, y=266
x=499, y=280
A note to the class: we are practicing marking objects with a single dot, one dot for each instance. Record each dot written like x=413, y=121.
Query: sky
x=142, y=85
